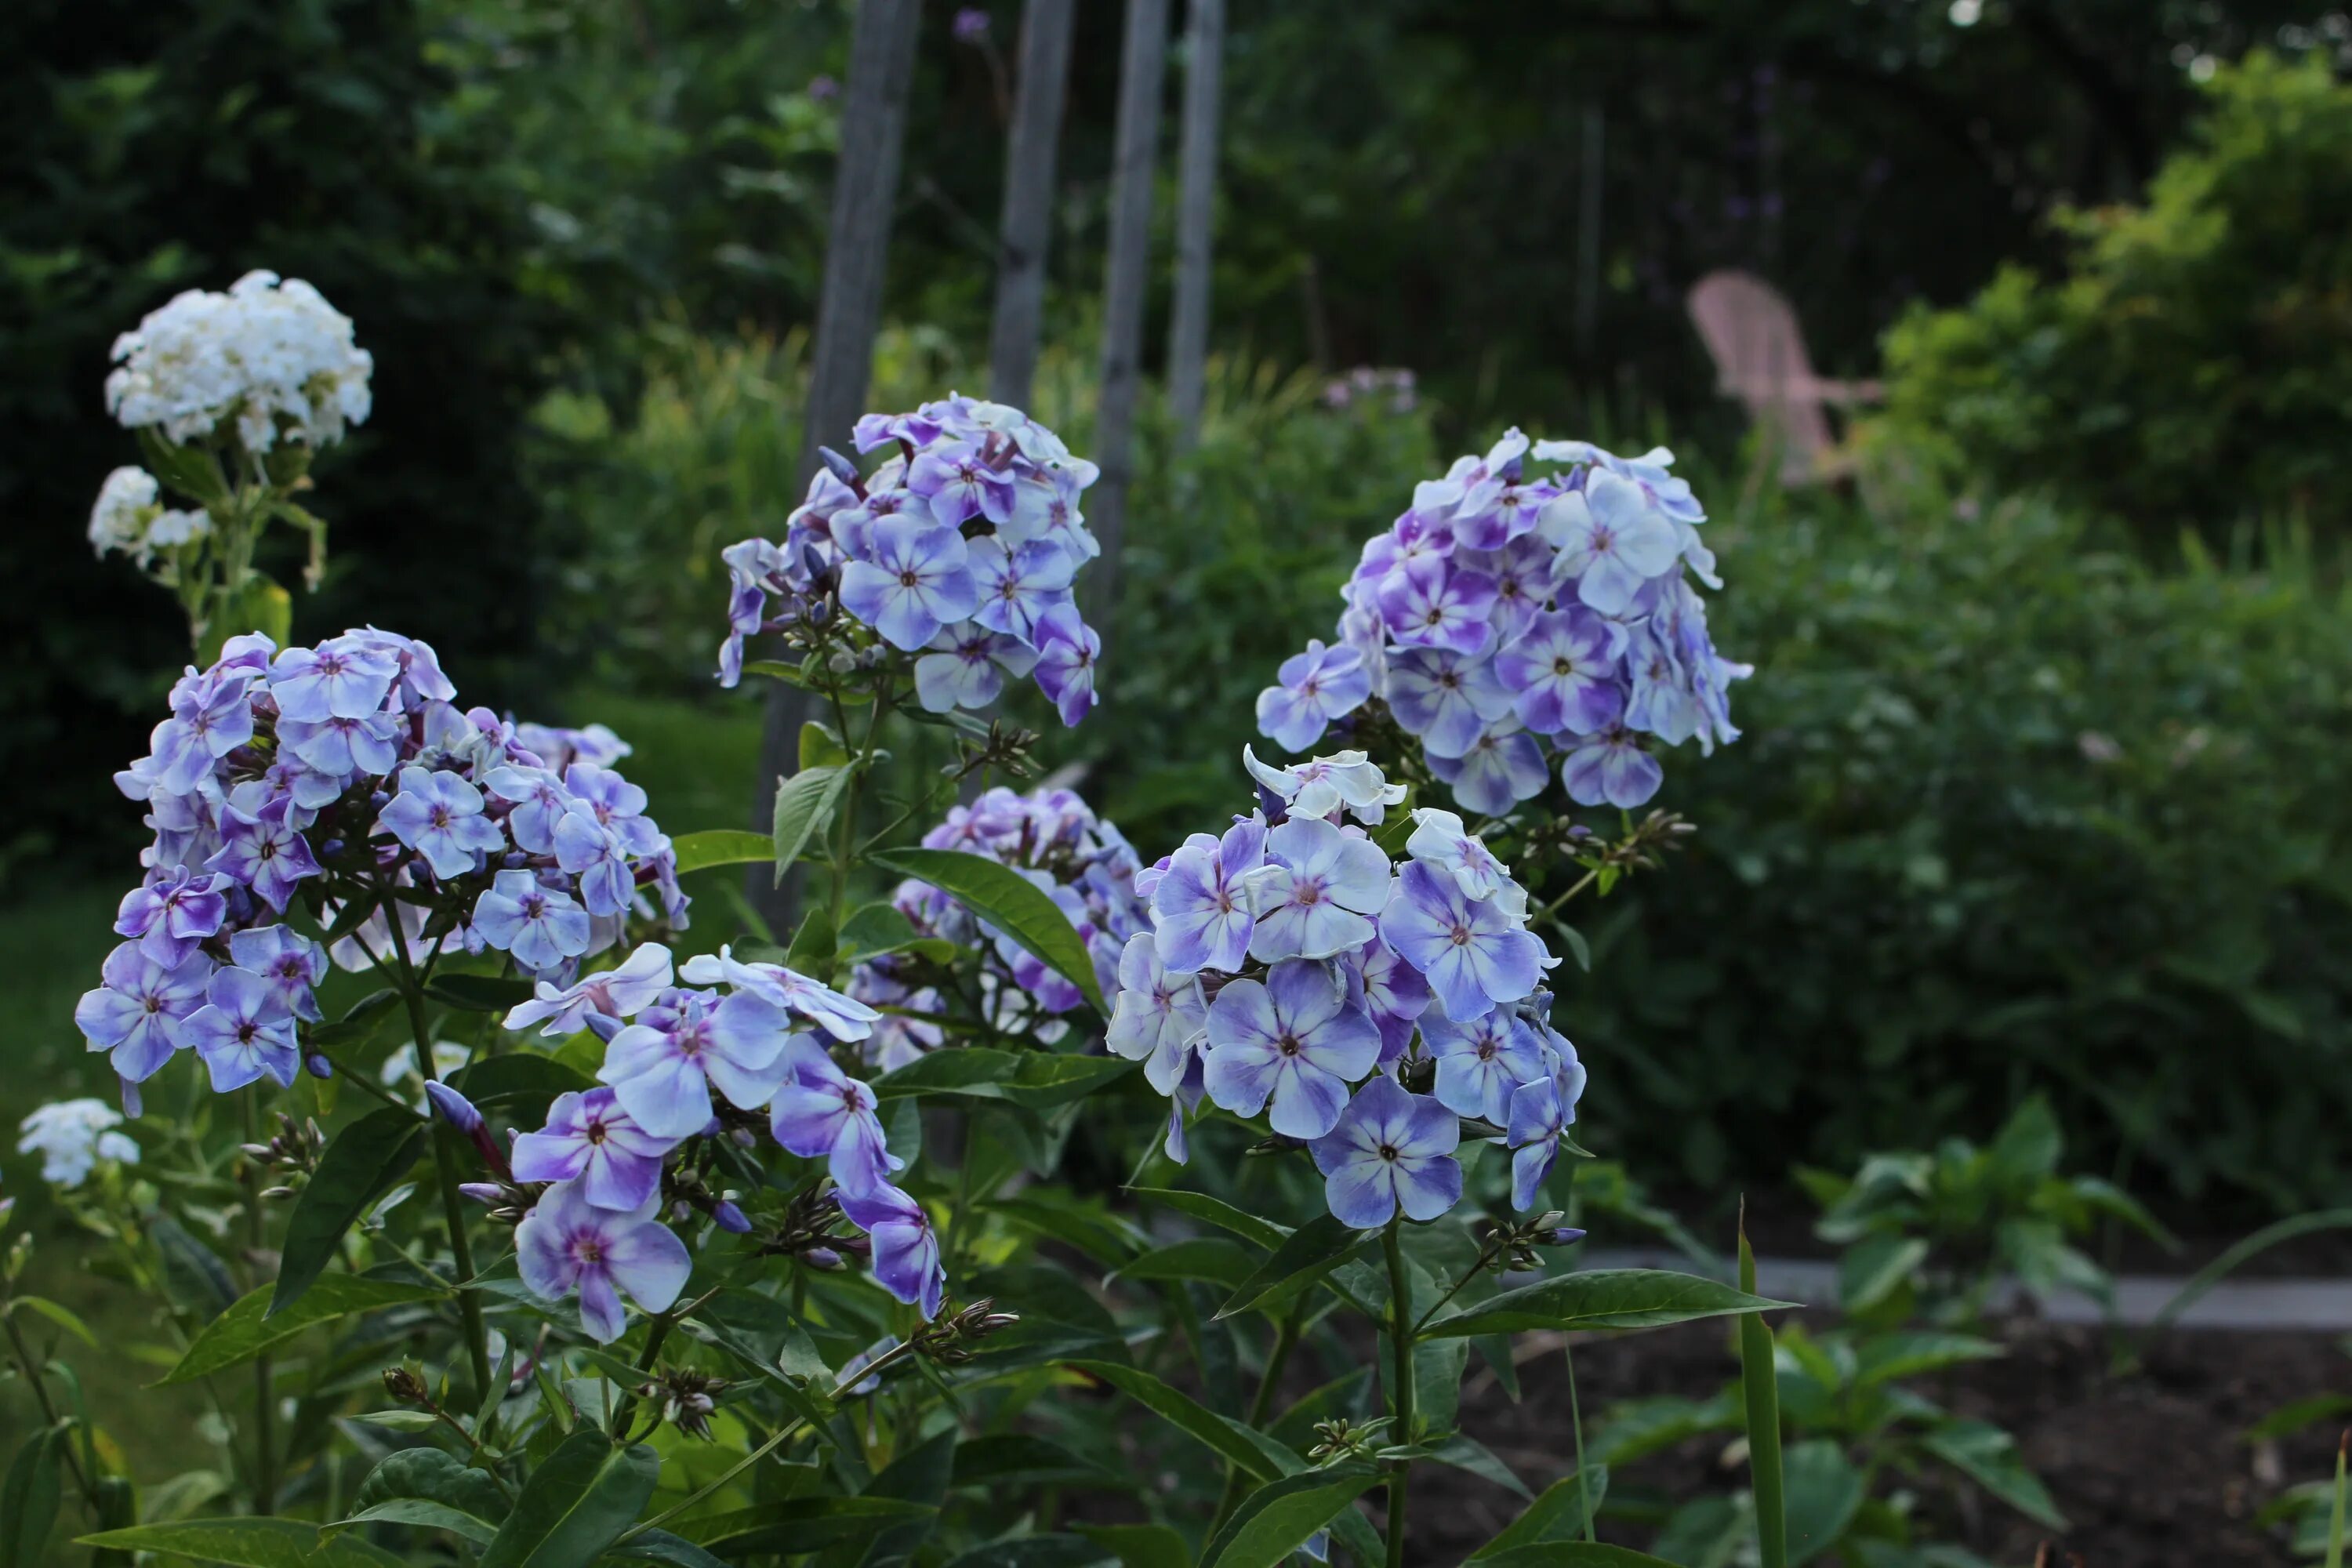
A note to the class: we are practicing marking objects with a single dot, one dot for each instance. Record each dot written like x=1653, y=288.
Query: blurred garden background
x=2043, y=787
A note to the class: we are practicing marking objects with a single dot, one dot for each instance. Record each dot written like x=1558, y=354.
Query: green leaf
x=813, y=944
x=358, y=1023
x=800, y=1524
x=1140, y=1545
x=1875, y=1268
x=919, y=1474
x=364, y=1159
x=661, y=1546
x=1278, y=1518
x=1255, y=1454
x=1574, y=1554
x=1209, y=1257
x=193, y=471
x=721, y=846
x=820, y=747
x=1557, y=1513
x=1217, y=1212
x=1105, y=1237
x=194, y=1275
x=1987, y=1456
x=480, y=993
x=1884, y=1358
x=1004, y=900
x=2270, y=1235
x=1305, y=1254
x=247, y=1544
x=29, y=1498
x=1037, y=1079
x=1052, y=1550
x=1465, y=1452
x=803, y=802
x=1760, y=1384
x=430, y=1488
x=1823, y=1492
x=520, y=1083
x=1022, y=1458
x=1602, y=1298
x=576, y=1504
x=62, y=1316
x=248, y=1329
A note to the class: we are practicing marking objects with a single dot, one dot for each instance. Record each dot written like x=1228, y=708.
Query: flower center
x=1460, y=937
x=1306, y=891
x=1288, y=1045
x=589, y=1249
x=1388, y=1151
x=596, y=1132
x=908, y=579
x=1563, y=667
x=1485, y=1050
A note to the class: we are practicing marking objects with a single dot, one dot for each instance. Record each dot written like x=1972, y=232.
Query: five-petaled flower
x=567, y=1243
x=1391, y=1150
x=1290, y=1046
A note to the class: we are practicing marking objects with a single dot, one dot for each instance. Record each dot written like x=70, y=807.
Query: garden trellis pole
x=841, y=364
x=1026, y=229
x=1188, y=332
x=1127, y=279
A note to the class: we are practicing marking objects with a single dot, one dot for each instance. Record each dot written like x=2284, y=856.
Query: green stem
x=1553, y=908
x=49, y=1412
x=265, y=1418
x=1400, y=1335
x=445, y=1163
x=1575, y=1425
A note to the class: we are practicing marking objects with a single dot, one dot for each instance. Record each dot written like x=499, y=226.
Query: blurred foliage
x=156, y=147
x=2195, y=361
x=2014, y=810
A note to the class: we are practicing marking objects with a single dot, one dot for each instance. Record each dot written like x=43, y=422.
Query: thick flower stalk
x=341, y=790
x=1517, y=623
x=1376, y=1011
x=741, y=1046
x=955, y=555
x=231, y=395
x=1076, y=858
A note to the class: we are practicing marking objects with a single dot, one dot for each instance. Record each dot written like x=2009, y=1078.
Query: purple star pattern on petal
x=1480, y=1063
x=1066, y=650
x=264, y=851
x=664, y=1067
x=1564, y=672
x=540, y=926
x=1158, y=1014
x=1019, y=586
x=1429, y=603
x=589, y=1139
x=916, y=581
x=566, y=1243
x=138, y=1012
x=1290, y=1046
x=1501, y=768
x=172, y=913
x=1445, y=699
x=1201, y=906
x=290, y=962
x=822, y=1113
x=344, y=678
x=1472, y=953
x=439, y=816
x=1611, y=769
x=1315, y=687
x=1314, y=901
x=1392, y=1149
x=243, y=1032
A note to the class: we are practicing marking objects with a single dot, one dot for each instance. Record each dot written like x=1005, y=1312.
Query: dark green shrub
x=2196, y=360
x=2013, y=811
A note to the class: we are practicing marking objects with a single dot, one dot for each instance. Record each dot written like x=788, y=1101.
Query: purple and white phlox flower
x=1612, y=540
x=1290, y=1046
x=1431, y=603
x=1445, y=699
x=967, y=666
x=244, y=1031
x=173, y=912
x=905, y=1247
x=1390, y=1151
x=568, y=1244
x=292, y=962
x=1314, y=689
x=1480, y=1063
x=341, y=679
x=590, y=1140
x=784, y=990
x=1018, y=585
x=1611, y=769
x=1473, y=953
x=919, y=580
x=1564, y=673
x=1202, y=906
x=1158, y=1015
x=1440, y=839
x=138, y=1012
x=601, y=1002
x=265, y=850
x=1499, y=769
x=439, y=816
x=821, y=1112
x=1315, y=895
x=664, y=1067
x=1325, y=786
x=1066, y=650
x=540, y=926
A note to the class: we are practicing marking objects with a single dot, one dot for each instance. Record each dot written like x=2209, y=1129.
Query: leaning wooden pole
x=1196, y=201
x=1126, y=283
x=1025, y=230
x=849, y=308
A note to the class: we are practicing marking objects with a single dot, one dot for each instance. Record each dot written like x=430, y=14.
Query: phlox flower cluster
x=1368, y=1007
x=958, y=549
x=736, y=1044
x=1076, y=858
x=1511, y=619
x=268, y=360
x=323, y=780
x=71, y=1136
x=132, y=520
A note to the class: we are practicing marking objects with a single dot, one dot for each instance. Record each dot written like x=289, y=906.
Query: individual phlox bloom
x=966, y=668
x=1068, y=649
x=1480, y=1063
x=1157, y=1015
x=1522, y=576
x=540, y=926
x=538, y=800
x=822, y=1113
x=1315, y=898
x=1473, y=955
x=71, y=1136
x=439, y=816
x=590, y=1140
x=1395, y=996
x=1539, y=1115
x=1501, y=768
x=1201, y=908
x=905, y=1247
x=600, y=1001
x=1431, y=603
x=211, y=717
x=1440, y=839
x=1563, y=670
x=138, y=1012
x=958, y=483
x=1312, y=689
x=1445, y=699
x=173, y=912
x=1610, y=540
x=243, y=1032
x=567, y=1243
x=343, y=678
x=265, y=850
x=341, y=747
x=663, y=1067
x=292, y=962
x=1018, y=585
x=1392, y=1149
x=594, y=854
x=1324, y=787
x=1290, y=1046
x=828, y=1009
x=1611, y=769
x=918, y=580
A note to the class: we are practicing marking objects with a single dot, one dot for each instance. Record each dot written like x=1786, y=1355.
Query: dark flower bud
x=405, y=1387
x=843, y=468
x=483, y=1192
x=318, y=1065
x=455, y=1107
x=727, y=1217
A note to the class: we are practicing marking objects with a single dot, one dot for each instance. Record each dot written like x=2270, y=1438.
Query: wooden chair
x=1760, y=358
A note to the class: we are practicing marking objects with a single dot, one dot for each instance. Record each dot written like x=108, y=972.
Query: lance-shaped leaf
x=804, y=803
x=1008, y=901
x=29, y=1500
x=1254, y=1453
x=1558, y=1513
x=721, y=846
x=1602, y=1298
x=576, y=1504
x=800, y=1524
x=365, y=1160
x=1305, y=1254
x=431, y=1490
x=1217, y=1212
x=248, y=1329
x=1760, y=1395
x=1281, y=1516
x=246, y=1544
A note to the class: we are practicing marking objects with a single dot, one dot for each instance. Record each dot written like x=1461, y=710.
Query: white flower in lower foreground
x=72, y=1136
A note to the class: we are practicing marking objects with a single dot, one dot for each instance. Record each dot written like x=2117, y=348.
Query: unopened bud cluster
x=1516, y=1246
x=684, y=1399
x=949, y=1340
x=294, y=1149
